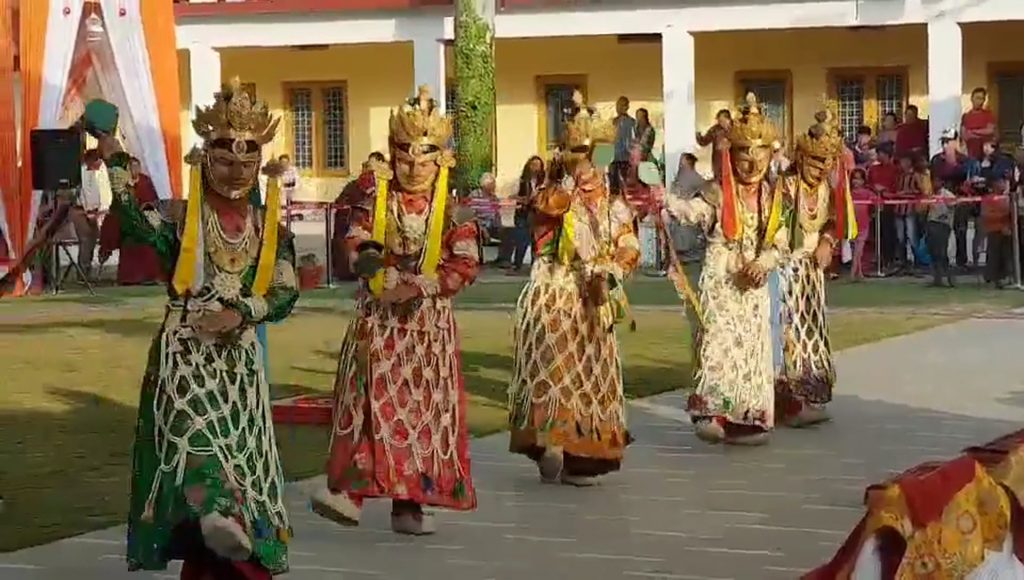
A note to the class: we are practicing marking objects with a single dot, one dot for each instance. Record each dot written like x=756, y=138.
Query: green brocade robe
x=204, y=439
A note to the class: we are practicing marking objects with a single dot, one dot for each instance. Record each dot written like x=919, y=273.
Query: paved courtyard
x=679, y=509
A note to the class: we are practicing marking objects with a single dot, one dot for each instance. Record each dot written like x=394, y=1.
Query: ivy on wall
x=475, y=94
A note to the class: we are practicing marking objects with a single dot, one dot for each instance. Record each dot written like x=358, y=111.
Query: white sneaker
x=413, y=524
x=225, y=537
x=337, y=507
x=550, y=464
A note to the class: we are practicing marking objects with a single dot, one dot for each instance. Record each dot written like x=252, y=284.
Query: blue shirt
x=625, y=130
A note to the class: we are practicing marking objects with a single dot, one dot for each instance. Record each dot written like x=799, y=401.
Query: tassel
x=186, y=270
x=380, y=223
x=435, y=229
x=732, y=226
x=268, y=250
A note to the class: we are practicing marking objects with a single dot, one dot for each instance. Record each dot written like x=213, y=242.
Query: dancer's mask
x=818, y=149
x=234, y=130
x=750, y=140
x=419, y=138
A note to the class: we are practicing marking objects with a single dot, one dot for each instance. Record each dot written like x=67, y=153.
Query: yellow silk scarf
x=268, y=249
x=566, y=247
x=189, y=267
x=435, y=228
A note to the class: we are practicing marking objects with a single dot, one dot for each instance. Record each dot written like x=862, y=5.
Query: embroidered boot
x=551, y=464
x=409, y=518
x=710, y=431
x=337, y=507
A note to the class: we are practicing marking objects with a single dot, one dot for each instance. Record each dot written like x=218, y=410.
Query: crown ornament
x=419, y=122
x=585, y=127
x=824, y=139
x=235, y=117
x=752, y=128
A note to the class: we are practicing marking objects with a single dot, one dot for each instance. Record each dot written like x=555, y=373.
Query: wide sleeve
x=695, y=211
x=460, y=261
x=624, y=239
x=283, y=292
x=552, y=201
x=142, y=226
x=360, y=229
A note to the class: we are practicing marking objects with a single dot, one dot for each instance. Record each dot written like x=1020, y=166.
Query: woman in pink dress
x=862, y=196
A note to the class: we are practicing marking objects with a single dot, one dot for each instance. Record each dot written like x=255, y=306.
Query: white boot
x=550, y=464
x=225, y=537
x=337, y=507
x=413, y=524
x=710, y=432
x=579, y=480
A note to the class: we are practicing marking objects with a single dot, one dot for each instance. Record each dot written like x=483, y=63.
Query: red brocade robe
x=399, y=399
x=136, y=263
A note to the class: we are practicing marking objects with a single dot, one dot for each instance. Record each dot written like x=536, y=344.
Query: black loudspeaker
x=56, y=159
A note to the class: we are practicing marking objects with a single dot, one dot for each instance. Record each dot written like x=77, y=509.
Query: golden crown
x=824, y=139
x=586, y=127
x=752, y=128
x=419, y=122
x=236, y=117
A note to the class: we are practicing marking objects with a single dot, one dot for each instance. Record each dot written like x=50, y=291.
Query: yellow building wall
x=987, y=53
x=379, y=77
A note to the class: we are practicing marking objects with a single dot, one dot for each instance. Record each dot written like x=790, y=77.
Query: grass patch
x=71, y=385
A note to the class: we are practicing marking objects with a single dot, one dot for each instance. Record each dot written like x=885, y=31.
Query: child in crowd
x=939, y=226
x=862, y=196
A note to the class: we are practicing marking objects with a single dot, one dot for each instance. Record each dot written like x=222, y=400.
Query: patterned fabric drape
x=126, y=33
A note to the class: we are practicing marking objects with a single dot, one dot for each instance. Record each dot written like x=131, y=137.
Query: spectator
x=289, y=179
x=862, y=147
x=994, y=163
x=715, y=136
x=355, y=197
x=779, y=163
x=137, y=263
x=939, y=226
x=997, y=224
x=645, y=134
x=978, y=125
x=530, y=180
x=862, y=197
x=912, y=135
x=688, y=241
x=883, y=178
x=913, y=185
x=625, y=134
x=952, y=166
x=890, y=128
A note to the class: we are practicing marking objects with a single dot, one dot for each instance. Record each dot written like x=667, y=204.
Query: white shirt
x=96, y=194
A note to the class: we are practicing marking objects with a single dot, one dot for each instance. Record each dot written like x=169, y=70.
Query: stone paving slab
x=679, y=509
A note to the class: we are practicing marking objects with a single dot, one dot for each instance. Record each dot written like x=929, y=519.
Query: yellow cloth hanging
x=268, y=249
x=380, y=224
x=566, y=247
x=435, y=228
x=186, y=269
x=775, y=216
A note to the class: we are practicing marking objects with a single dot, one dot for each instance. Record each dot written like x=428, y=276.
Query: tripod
x=55, y=247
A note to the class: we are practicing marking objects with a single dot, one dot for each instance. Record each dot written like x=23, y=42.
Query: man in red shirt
x=912, y=135
x=884, y=179
x=978, y=125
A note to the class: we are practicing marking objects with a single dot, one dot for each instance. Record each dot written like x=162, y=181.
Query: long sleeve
x=552, y=201
x=460, y=262
x=694, y=211
x=624, y=239
x=283, y=292
x=774, y=253
x=146, y=227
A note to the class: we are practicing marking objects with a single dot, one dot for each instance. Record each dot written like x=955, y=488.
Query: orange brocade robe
x=399, y=399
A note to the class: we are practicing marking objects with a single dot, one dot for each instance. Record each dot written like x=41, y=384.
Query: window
x=1010, y=99
x=317, y=127
x=555, y=96
x=865, y=97
x=773, y=92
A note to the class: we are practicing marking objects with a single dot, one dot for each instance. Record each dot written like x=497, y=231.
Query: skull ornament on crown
x=750, y=142
x=234, y=129
x=419, y=137
x=818, y=149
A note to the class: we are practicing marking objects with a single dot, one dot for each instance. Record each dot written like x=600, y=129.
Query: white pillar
x=945, y=77
x=680, y=105
x=429, y=66
x=204, y=78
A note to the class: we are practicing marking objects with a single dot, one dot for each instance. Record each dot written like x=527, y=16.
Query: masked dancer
x=746, y=236
x=207, y=483
x=566, y=399
x=818, y=186
x=400, y=403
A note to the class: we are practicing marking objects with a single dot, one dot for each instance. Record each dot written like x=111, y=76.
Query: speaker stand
x=59, y=278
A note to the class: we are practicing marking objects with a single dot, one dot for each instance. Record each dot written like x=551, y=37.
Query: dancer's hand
x=597, y=290
x=219, y=323
x=823, y=254
x=400, y=294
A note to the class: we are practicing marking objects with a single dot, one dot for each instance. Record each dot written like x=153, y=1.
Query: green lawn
x=72, y=365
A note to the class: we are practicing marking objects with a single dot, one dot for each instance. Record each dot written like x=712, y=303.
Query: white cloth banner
x=128, y=39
